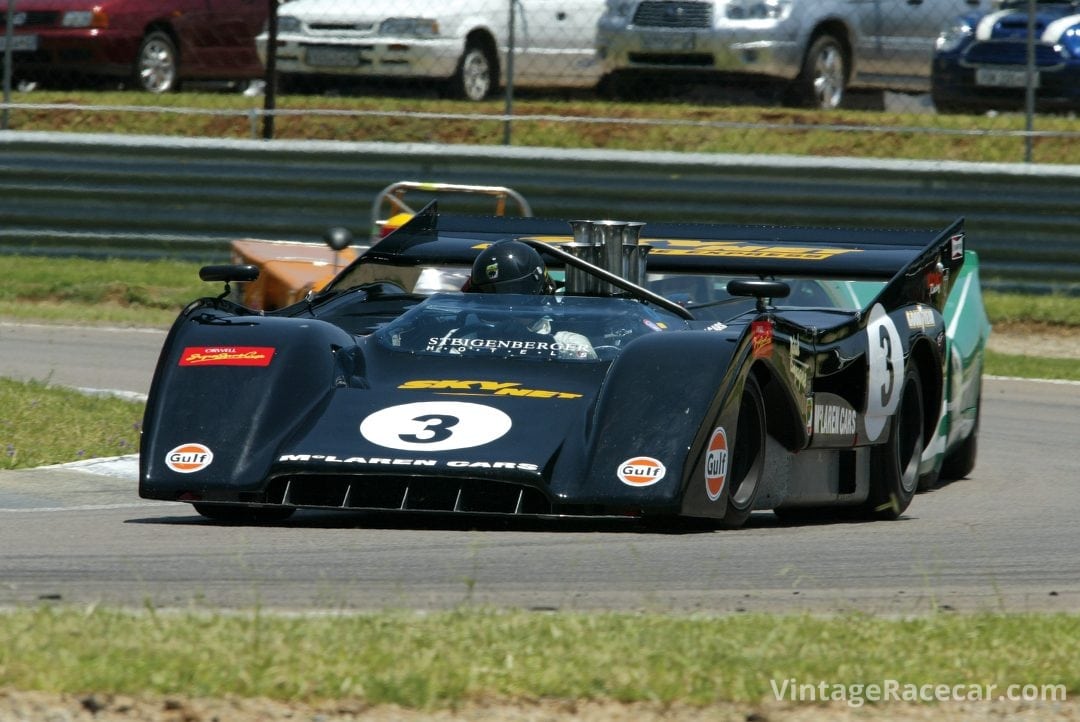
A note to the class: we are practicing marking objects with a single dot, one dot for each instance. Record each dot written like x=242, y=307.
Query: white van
x=816, y=49
x=463, y=43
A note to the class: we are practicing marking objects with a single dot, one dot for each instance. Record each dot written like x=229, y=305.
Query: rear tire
x=960, y=462
x=894, y=465
x=747, y=459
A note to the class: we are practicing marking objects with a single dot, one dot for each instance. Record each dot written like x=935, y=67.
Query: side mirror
x=759, y=290
x=229, y=273
x=338, y=238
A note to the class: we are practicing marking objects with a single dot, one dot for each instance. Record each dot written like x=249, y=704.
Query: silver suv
x=816, y=48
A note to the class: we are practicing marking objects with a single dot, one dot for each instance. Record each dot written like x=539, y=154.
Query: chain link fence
x=957, y=79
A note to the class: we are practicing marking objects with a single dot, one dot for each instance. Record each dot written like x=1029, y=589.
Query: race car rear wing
x=925, y=257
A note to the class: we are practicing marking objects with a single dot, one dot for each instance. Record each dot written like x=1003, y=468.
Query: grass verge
x=442, y=659
x=559, y=120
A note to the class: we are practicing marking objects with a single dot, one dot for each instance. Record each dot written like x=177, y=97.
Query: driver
x=510, y=266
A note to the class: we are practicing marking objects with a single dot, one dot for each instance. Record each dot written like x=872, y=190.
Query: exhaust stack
x=613, y=246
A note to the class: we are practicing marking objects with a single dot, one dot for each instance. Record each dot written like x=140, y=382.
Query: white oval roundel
x=189, y=458
x=435, y=426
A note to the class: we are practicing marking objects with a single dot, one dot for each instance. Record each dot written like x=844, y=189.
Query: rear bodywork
x=393, y=390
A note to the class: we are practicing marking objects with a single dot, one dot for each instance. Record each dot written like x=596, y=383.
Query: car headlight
x=1070, y=40
x=954, y=36
x=619, y=10
x=289, y=24
x=85, y=19
x=410, y=27
x=758, y=9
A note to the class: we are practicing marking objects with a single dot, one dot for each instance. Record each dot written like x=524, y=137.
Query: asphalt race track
x=1003, y=540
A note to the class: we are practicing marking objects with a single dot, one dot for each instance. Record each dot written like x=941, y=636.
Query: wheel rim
x=475, y=75
x=829, y=77
x=746, y=463
x=157, y=66
x=910, y=431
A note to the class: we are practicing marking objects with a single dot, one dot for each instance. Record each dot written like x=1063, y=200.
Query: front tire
x=157, y=66
x=823, y=79
x=477, y=73
x=748, y=457
x=894, y=465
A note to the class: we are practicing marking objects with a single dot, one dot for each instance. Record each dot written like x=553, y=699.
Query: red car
x=149, y=45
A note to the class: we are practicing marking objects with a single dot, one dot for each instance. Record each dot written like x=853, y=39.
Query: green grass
x=442, y=659
x=31, y=413
x=560, y=121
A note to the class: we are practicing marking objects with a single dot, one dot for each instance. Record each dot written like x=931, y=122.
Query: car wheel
x=241, y=513
x=961, y=460
x=823, y=78
x=477, y=73
x=894, y=465
x=748, y=457
x=157, y=64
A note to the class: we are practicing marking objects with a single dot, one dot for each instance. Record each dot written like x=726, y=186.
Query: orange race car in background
x=289, y=270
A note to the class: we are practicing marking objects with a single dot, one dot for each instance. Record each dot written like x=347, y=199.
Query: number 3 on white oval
x=886, y=361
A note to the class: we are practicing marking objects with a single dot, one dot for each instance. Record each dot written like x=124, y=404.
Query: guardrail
x=136, y=196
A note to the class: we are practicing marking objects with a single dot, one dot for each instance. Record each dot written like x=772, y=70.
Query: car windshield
x=528, y=327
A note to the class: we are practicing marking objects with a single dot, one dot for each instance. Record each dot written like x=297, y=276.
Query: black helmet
x=509, y=267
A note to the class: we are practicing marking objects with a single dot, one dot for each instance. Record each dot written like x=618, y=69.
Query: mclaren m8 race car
x=675, y=370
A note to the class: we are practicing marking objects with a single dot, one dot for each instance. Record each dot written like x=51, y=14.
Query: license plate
x=669, y=42
x=1003, y=78
x=333, y=57
x=19, y=42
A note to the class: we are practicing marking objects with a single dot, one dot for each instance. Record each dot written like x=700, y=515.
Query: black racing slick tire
x=894, y=465
x=747, y=459
x=241, y=513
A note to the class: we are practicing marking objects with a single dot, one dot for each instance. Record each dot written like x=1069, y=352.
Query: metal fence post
x=9, y=40
x=508, y=107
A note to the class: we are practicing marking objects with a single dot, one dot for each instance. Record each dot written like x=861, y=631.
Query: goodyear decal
x=227, y=356
x=716, y=464
x=641, y=471
x=189, y=458
x=725, y=249
x=920, y=317
x=464, y=387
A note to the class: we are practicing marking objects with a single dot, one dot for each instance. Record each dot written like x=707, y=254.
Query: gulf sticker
x=227, y=356
x=761, y=337
x=716, y=464
x=189, y=458
x=641, y=471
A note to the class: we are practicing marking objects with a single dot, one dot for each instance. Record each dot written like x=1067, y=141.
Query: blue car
x=981, y=60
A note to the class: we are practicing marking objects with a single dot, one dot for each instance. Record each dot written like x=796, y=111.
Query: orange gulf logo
x=189, y=458
x=641, y=471
x=716, y=463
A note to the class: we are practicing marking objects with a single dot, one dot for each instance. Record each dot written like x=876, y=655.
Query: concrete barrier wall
x=133, y=196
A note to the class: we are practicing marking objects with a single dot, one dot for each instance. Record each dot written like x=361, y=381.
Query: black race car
x=677, y=370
